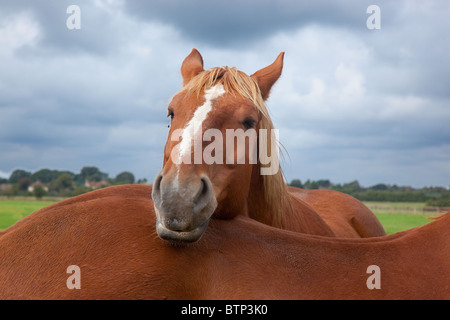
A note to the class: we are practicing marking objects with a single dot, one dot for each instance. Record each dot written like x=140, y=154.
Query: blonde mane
x=238, y=83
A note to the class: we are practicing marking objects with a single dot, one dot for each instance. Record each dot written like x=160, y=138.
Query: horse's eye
x=170, y=114
x=249, y=123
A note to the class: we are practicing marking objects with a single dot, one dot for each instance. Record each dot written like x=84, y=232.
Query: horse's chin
x=177, y=236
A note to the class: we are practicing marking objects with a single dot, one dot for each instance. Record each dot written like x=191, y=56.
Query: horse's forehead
x=212, y=105
x=193, y=100
x=186, y=100
x=209, y=98
x=194, y=126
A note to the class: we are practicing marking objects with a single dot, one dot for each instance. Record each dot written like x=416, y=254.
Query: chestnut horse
x=191, y=189
x=109, y=235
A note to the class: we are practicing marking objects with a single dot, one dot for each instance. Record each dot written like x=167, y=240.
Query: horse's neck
x=258, y=206
x=287, y=212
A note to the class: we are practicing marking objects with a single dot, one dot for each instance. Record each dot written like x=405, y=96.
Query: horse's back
x=106, y=233
x=346, y=216
x=110, y=235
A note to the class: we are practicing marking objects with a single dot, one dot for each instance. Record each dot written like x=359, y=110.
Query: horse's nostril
x=157, y=183
x=204, y=189
x=157, y=188
x=203, y=196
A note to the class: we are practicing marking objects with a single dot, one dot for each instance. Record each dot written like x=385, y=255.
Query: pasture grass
x=396, y=204
x=400, y=216
x=393, y=223
x=393, y=220
x=12, y=211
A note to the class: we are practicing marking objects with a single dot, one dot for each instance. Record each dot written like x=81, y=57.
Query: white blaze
x=193, y=129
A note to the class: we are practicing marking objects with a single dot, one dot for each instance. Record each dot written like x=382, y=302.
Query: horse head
x=211, y=153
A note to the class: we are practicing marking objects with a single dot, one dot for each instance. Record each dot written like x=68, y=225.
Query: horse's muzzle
x=183, y=208
x=180, y=236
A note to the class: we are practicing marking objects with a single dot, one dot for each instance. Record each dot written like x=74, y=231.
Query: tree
x=39, y=192
x=62, y=184
x=45, y=175
x=324, y=184
x=24, y=183
x=12, y=191
x=142, y=181
x=351, y=187
x=93, y=174
x=442, y=201
x=311, y=184
x=124, y=178
x=18, y=174
x=380, y=186
x=296, y=183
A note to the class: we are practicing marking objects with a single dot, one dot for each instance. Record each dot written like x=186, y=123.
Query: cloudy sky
x=352, y=103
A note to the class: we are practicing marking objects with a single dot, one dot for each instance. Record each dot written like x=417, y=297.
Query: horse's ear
x=192, y=65
x=267, y=76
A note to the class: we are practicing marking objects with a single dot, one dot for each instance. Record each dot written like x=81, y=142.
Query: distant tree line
x=46, y=182
x=432, y=196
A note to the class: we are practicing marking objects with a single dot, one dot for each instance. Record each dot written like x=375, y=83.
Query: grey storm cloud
x=99, y=35
x=352, y=103
x=234, y=22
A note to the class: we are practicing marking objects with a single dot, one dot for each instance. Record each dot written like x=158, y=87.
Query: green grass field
x=393, y=216
x=399, y=216
x=393, y=223
x=12, y=211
